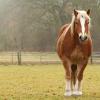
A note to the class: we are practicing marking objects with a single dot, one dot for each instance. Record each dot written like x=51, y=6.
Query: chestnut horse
x=74, y=47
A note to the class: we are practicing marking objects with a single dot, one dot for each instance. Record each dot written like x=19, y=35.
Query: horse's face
x=82, y=24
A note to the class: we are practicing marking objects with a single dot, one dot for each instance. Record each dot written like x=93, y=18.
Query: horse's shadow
x=83, y=97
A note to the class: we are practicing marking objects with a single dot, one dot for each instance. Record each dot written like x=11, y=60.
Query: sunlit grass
x=44, y=82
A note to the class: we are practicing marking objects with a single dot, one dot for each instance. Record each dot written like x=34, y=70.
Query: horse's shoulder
x=62, y=29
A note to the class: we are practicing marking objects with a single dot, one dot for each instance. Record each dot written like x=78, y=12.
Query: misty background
x=33, y=25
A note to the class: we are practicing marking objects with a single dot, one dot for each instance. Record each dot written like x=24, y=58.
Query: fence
x=37, y=57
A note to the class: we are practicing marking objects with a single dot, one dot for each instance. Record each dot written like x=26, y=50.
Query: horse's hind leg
x=67, y=67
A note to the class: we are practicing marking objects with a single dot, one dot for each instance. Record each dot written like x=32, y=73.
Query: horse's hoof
x=77, y=93
x=69, y=93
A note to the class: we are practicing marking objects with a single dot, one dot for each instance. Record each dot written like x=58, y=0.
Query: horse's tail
x=74, y=69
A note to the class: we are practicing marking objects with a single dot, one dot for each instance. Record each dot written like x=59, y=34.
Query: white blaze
x=82, y=21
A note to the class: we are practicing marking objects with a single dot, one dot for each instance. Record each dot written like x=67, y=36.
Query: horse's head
x=81, y=24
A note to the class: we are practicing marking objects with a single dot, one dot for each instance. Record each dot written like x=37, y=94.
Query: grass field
x=44, y=82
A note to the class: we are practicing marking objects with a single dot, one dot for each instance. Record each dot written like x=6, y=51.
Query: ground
x=44, y=82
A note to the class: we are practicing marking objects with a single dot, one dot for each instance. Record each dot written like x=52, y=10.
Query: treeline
x=32, y=25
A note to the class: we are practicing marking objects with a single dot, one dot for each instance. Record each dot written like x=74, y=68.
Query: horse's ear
x=75, y=13
x=88, y=11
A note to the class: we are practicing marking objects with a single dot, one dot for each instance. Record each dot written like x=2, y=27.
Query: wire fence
x=37, y=58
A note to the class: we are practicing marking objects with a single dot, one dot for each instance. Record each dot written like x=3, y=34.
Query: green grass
x=44, y=82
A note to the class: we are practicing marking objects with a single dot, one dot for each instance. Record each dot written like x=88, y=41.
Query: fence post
x=19, y=57
x=12, y=58
x=91, y=60
x=40, y=57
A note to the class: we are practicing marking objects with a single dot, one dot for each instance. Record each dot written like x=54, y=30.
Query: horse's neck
x=67, y=33
x=76, y=38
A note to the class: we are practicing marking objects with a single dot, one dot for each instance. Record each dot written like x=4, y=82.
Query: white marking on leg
x=68, y=85
x=68, y=91
x=77, y=88
x=76, y=85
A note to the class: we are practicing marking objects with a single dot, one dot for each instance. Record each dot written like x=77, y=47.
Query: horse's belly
x=77, y=56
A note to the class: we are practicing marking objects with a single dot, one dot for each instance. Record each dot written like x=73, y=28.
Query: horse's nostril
x=85, y=37
x=80, y=37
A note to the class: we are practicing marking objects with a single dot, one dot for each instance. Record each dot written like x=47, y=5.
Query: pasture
x=44, y=82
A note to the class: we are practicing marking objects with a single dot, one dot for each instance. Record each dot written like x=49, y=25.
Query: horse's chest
x=77, y=55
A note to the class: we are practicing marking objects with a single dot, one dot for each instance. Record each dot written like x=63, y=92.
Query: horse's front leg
x=78, y=84
x=67, y=66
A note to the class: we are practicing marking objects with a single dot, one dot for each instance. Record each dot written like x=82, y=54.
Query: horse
x=74, y=47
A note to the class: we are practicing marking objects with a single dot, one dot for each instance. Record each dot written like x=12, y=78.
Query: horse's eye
x=76, y=22
x=87, y=22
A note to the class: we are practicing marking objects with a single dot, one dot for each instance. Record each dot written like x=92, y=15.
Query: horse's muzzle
x=83, y=38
